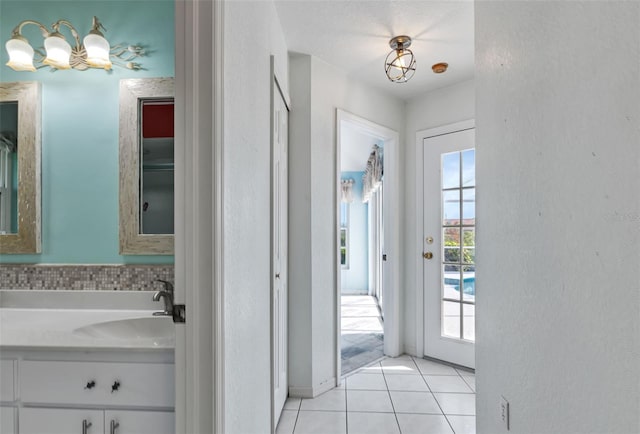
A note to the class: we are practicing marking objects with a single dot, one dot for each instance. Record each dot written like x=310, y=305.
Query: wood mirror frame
x=132, y=242
x=28, y=238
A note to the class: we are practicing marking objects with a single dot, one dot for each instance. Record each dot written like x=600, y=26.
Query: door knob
x=427, y=255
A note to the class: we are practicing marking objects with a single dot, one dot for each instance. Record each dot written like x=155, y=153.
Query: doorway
x=279, y=247
x=447, y=192
x=367, y=270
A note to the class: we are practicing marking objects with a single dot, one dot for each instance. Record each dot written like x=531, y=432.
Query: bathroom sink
x=153, y=327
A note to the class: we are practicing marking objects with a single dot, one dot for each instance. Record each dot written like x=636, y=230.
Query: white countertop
x=50, y=319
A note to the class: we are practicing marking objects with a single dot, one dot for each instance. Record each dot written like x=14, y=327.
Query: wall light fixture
x=400, y=64
x=93, y=52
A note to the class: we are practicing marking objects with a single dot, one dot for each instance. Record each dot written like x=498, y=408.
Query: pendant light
x=400, y=64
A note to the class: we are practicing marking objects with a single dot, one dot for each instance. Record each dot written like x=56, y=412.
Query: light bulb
x=97, y=51
x=399, y=62
x=20, y=54
x=58, y=51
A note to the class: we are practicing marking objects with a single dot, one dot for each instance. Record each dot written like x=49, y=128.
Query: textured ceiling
x=354, y=36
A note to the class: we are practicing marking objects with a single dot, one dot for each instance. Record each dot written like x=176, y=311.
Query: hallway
x=404, y=395
x=361, y=332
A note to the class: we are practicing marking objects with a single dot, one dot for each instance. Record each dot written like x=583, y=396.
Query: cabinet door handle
x=115, y=386
x=114, y=426
x=85, y=426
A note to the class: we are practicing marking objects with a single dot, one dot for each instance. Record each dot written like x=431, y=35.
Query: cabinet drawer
x=96, y=383
x=60, y=421
x=8, y=420
x=7, y=388
x=139, y=422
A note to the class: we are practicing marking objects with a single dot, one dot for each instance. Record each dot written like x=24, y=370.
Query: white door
x=449, y=247
x=279, y=255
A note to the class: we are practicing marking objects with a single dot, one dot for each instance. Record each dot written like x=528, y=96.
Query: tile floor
x=361, y=332
x=402, y=395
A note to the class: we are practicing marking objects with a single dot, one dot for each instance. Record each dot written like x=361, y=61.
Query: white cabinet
x=139, y=422
x=7, y=397
x=97, y=383
x=7, y=387
x=8, y=420
x=60, y=421
x=79, y=421
x=84, y=393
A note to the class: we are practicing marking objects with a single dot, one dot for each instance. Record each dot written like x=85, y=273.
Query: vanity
x=85, y=362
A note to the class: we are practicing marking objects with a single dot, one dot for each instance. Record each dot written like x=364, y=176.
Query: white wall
x=317, y=90
x=439, y=107
x=558, y=165
x=246, y=166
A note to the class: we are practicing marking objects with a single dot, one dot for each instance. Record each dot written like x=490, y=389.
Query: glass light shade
x=20, y=55
x=58, y=52
x=97, y=51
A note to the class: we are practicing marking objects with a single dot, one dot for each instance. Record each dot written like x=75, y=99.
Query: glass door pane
x=458, y=246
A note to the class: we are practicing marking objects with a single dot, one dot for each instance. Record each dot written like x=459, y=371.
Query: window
x=458, y=235
x=344, y=235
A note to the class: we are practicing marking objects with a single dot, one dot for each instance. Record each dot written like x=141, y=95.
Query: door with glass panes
x=449, y=247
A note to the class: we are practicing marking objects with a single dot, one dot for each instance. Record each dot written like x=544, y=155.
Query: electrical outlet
x=504, y=412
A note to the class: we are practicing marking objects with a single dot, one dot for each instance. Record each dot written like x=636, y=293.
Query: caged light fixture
x=93, y=52
x=400, y=64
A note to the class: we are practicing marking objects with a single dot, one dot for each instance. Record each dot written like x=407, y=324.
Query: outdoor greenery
x=452, y=246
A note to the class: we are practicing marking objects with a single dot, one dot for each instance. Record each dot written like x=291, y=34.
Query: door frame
x=391, y=307
x=419, y=201
x=276, y=89
x=199, y=243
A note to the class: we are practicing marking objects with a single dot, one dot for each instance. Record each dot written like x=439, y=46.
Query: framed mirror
x=146, y=166
x=20, y=127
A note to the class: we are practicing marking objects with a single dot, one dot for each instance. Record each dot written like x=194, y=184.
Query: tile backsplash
x=84, y=277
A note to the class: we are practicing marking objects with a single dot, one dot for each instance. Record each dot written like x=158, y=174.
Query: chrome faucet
x=167, y=295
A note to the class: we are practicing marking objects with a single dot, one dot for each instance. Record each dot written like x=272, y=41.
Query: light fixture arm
x=17, y=31
x=74, y=32
x=95, y=28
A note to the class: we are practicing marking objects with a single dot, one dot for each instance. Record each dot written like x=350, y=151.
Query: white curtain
x=347, y=190
x=373, y=174
x=7, y=146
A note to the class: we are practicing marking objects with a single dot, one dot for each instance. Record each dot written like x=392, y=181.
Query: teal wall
x=80, y=124
x=355, y=279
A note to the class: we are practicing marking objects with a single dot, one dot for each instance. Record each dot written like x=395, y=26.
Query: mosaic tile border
x=84, y=277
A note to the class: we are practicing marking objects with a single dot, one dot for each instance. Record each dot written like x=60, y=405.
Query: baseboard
x=312, y=392
x=411, y=350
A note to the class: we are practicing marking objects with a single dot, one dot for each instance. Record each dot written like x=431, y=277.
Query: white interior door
x=279, y=231
x=449, y=247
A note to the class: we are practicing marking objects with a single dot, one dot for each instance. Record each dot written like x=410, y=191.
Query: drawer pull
x=115, y=386
x=114, y=426
x=85, y=426
x=90, y=384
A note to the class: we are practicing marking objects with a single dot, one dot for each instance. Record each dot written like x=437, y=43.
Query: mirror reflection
x=20, y=124
x=8, y=167
x=146, y=166
x=156, y=168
